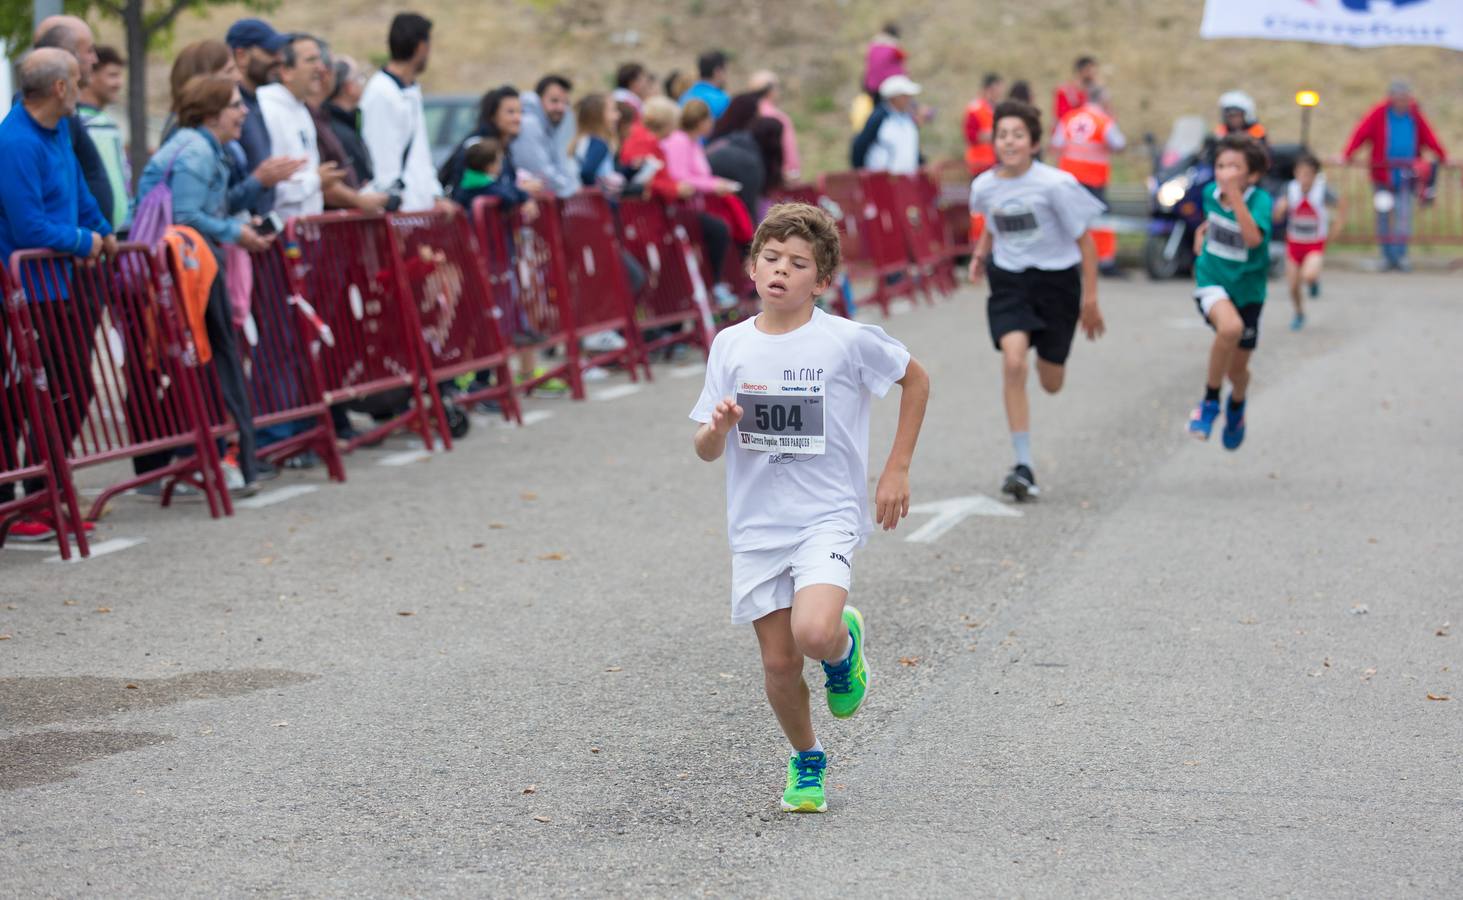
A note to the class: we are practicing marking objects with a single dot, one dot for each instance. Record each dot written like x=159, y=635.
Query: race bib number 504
x=781, y=416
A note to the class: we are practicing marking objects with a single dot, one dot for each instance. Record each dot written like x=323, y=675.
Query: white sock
x=847, y=652
x=816, y=748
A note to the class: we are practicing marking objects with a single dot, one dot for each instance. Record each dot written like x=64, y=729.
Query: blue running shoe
x=1298, y=322
x=1201, y=420
x=1234, y=425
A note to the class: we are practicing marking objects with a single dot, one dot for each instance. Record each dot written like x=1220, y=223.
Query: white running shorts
x=764, y=581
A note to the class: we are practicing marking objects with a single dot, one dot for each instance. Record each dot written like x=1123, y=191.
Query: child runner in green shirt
x=1233, y=246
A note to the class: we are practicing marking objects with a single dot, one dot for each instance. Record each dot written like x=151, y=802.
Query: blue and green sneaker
x=848, y=684
x=805, y=774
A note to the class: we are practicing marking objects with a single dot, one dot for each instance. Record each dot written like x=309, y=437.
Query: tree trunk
x=138, y=151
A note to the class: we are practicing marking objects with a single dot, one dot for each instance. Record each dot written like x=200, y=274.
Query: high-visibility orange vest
x=1085, y=152
x=979, y=155
x=1256, y=131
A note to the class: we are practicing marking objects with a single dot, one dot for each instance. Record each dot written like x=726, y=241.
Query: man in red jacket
x=1398, y=133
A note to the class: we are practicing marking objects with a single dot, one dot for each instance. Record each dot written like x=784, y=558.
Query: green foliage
x=17, y=19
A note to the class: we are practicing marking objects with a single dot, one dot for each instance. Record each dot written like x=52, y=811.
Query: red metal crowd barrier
x=873, y=247
x=1425, y=208
x=122, y=381
x=598, y=285
x=452, y=315
x=28, y=435
x=345, y=273
x=524, y=259
x=906, y=199
x=283, y=386
x=675, y=303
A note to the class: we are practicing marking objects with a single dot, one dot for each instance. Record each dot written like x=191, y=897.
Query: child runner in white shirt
x=1043, y=277
x=787, y=399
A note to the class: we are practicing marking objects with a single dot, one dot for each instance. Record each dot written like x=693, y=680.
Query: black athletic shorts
x=1248, y=314
x=1045, y=305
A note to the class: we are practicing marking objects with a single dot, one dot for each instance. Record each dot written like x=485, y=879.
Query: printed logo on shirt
x=841, y=558
x=1017, y=223
x=782, y=417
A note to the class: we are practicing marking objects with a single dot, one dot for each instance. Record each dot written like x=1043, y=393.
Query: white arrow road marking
x=102, y=549
x=949, y=513
x=278, y=495
x=615, y=393
x=404, y=458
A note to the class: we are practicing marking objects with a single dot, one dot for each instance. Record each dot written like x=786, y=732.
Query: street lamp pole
x=1307, y=101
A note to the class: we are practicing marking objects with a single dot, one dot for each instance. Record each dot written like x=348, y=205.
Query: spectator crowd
x=264, y=126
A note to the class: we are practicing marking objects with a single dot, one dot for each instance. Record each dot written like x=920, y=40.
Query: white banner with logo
x=1356, y=23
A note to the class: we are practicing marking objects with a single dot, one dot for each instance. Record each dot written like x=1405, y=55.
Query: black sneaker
x=1021, y=484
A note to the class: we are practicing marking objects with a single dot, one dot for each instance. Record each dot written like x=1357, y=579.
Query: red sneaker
x=39, y=527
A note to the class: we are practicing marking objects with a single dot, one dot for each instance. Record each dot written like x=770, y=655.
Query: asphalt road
x=508, y=670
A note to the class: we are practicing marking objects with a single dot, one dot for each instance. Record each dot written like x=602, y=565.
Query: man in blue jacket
x=45, y=204
x=74, y=36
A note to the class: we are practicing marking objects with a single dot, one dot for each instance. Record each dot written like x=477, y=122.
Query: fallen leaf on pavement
x=68, y=602
x=406, y=613
x=1438, y=697
x=1192, y=762
x=496, y=525
x=531, y=789
x=544, y=819
x=279, y=724
x=909, y=660
x=552, y=556
x=1359, y=609
x=1443, y=629
x=1367, y=674
x=593, y=749
x=477, y=546
x=104, y=609
x=528, y=495
x=266, y=561
x=4, y=637
x=613, y=669
x=131, y=687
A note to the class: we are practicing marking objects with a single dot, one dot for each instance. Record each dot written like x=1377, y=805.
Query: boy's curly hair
x=788, y=220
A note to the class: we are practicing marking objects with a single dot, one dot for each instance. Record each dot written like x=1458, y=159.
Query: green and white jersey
x=1226, y=262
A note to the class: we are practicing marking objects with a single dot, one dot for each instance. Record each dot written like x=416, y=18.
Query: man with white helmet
x=1237, y=115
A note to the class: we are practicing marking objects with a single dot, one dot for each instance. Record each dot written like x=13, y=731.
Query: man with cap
x=1398, y=133
x=256, y=47
x=889, y=141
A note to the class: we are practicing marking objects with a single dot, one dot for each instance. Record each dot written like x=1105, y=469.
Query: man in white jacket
x=292, y=129
x=393, y=123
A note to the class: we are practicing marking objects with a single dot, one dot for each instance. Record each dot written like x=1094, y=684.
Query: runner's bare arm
x=711, y=437
x=1092, y=324
x=980, y=255
x=1249, y=229
x=891, y=497
x=1199, y=237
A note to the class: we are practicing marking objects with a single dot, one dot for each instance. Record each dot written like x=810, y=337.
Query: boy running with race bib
x=787, y=398
x=1042, y=271
x=1307, y=204
x=1233, y=246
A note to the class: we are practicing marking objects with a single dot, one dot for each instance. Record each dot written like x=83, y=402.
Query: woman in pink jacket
x=685, y=161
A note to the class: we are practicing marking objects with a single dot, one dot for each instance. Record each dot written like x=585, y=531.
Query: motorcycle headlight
x=1172, y=191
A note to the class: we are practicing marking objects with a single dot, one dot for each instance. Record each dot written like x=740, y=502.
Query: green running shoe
x=848, y=684
x=805, y=772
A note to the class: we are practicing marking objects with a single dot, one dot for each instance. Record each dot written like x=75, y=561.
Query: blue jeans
x=1394, y=228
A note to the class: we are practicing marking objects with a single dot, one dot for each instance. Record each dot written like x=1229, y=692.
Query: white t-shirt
x=807, y=392
x=392, y=116
x=1035, y=219
x=1310, y=218
x=292, y=133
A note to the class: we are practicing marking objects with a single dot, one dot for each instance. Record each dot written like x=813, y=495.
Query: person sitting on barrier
x=45, y=203
x=211, y=113
x=687, y=164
